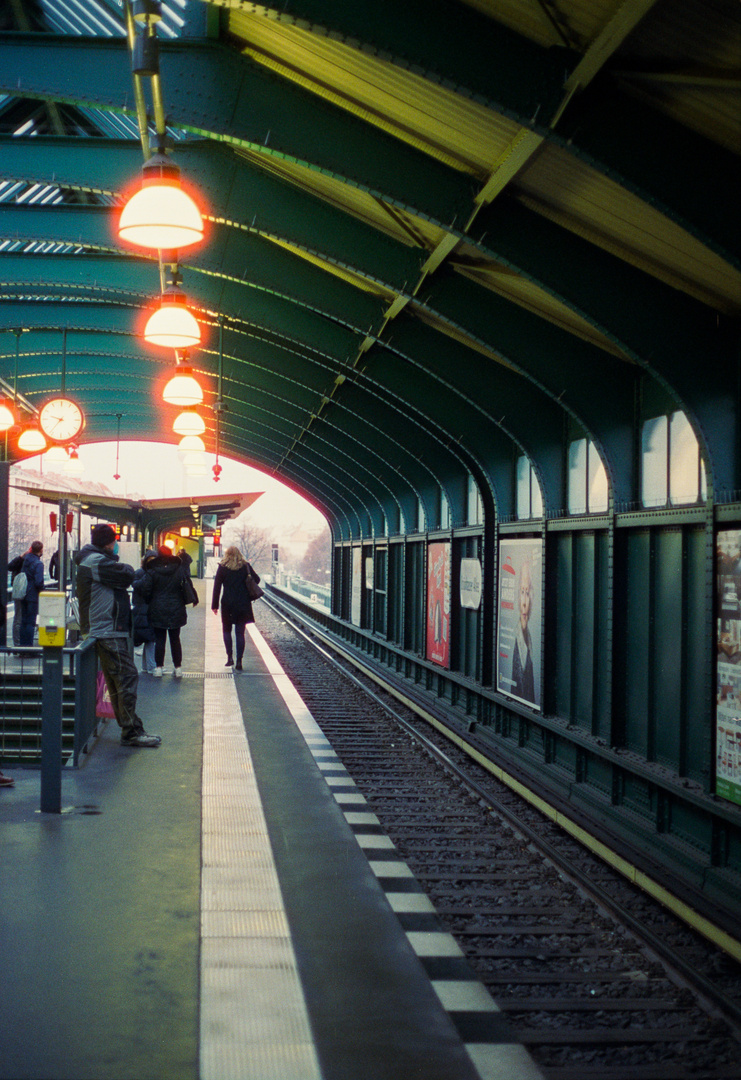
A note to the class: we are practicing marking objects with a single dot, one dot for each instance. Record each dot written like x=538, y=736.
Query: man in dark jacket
x=105, y=615
x=33, y=568
x=14, y=566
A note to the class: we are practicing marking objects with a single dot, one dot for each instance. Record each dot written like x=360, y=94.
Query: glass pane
x=654, y=462
x=523, y=487
x=537, y=497
x=475, y=506
x=578, y=477
x=597, y=482
x=684, y=471
x=444, y=511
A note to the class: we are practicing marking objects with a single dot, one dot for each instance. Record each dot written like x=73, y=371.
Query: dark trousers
x=17, y=620
x=226, y=626
x=160, y=640
x=29, y=611
x=122, y=680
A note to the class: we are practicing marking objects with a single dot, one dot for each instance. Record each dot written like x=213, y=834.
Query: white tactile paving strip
x=254, y=1024
x=461, y=997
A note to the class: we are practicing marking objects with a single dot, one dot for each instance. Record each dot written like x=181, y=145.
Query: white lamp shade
x=56, y=453
x=194, y=457
x=183, y=389
x=189, y=423
x=191, y=442
x=31, y=440
x=172, y=326
x=74, y=467
x=196, y=470
x=6, y=416
x=161, y=215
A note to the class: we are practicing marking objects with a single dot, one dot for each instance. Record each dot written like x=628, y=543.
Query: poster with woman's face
x=520, y=611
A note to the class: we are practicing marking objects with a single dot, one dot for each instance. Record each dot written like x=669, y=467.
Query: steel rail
x=730, y=1009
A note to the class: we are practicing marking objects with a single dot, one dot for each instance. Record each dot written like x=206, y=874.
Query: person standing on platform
x=33, y=568
x=105, y=615
x=236, y=605
x=14, y=566
x=143, y=631
x=167, y=588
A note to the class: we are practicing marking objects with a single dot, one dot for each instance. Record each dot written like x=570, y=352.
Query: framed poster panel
x=520, y=611
x=728, y=699
x=470, y=587
x=438, y=604
x=357, y=586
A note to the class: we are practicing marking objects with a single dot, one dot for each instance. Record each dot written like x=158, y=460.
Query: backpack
x=20, y=584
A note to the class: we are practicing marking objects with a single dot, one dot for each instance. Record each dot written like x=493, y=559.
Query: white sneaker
x=157, y=672
x=178, y=673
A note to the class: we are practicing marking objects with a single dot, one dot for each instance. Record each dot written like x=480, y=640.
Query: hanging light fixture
x=196, y=470
x=73, y=465
x=183, y=388
x=31, y=440
x=189, y=423
x=55, y=454
x=161, y=215
x=7, y=419
x=172, y=325
x=190, y=443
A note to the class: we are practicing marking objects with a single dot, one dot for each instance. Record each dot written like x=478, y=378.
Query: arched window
x=588, y=488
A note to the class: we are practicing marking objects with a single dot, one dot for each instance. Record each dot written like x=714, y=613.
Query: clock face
x=61, y=419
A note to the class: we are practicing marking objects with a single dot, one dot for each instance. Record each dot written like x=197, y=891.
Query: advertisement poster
x=520, y=610
x=357, y=586
x=728, y=705
x=438, y=604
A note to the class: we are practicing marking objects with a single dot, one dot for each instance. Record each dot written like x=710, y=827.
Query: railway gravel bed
x=588, y=998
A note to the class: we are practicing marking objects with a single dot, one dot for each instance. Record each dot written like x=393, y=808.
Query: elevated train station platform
x=225, y=908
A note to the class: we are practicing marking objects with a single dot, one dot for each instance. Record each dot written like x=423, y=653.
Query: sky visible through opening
x=155, y=471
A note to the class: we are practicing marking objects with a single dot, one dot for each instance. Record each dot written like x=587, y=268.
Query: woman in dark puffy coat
x=143, y=632
x=167, y=588
x=236, y=606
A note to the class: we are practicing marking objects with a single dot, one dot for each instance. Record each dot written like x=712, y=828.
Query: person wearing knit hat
x=105, y=615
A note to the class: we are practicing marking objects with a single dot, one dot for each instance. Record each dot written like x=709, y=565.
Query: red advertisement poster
x=438, y=604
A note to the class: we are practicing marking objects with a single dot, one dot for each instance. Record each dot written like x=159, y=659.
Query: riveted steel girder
x=208, y=83
x=214, y=91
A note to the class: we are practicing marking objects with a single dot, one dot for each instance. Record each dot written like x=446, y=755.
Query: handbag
x=20, y=585
x=189, y=591
x=253, y=589
x=103, y=706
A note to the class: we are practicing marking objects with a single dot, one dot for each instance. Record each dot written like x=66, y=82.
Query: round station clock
x=61, y=419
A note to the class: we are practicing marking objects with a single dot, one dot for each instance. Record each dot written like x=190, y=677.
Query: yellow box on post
x=52, y=618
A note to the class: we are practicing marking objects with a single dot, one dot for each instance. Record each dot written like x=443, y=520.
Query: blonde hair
x=233, y=559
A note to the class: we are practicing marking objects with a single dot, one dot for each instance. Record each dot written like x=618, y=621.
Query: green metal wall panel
x=635, y=648
x=583, y=629
x=698, y=657
x=666, y=691
x=562, y=600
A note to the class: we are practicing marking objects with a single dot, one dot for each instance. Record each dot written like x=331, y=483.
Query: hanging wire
x=117, y=475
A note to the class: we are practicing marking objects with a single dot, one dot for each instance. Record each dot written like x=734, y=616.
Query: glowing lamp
x=194, y=457
x=161, y=215
x=31, y=440
x=183, y=388
x=7, y=419
x=56, y=454
x=73, y=465
x=190, y=443
x=189, y=423
x=196, y=470
x=172, y=325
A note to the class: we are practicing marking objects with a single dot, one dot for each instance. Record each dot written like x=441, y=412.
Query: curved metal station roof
x=441, y=235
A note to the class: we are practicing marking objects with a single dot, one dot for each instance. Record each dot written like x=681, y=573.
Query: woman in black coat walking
x=167, y=588
x=236, y=605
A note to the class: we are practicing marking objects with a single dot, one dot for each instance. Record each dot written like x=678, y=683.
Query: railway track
x=598, y=980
